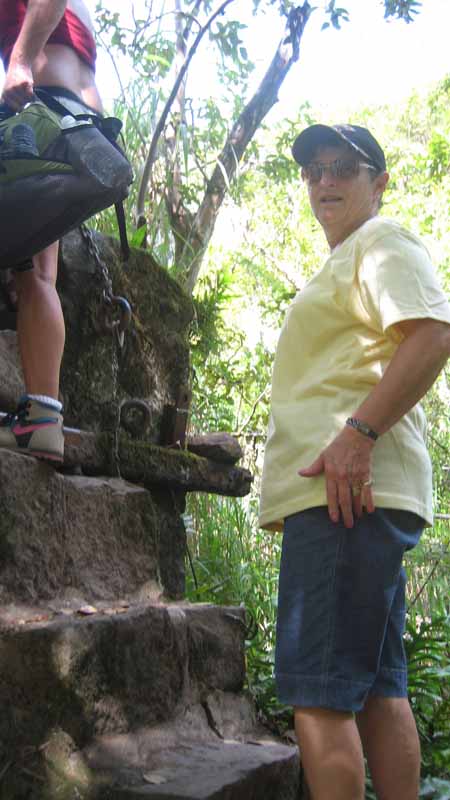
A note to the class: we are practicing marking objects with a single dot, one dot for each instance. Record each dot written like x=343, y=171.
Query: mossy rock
x=154, y=362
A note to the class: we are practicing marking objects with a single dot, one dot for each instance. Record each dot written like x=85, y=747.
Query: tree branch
x=241, y=134
x=151, y=157
x=252, y=413
x=123, y=93
x=180, y=218
x=427, y=579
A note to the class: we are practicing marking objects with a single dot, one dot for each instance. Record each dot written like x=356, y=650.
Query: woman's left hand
x=347, y=465
x=18, y=85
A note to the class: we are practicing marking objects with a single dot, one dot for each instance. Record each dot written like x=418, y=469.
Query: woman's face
x=342, y=204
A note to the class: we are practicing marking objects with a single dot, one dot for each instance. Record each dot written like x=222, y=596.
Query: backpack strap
x=120, y=214
x=110, y=127
x=52, y=103
x=64, y=106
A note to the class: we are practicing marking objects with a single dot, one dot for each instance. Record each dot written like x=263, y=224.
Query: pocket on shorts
x=407, y=525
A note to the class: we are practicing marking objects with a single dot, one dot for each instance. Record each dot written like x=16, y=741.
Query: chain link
x=107, y=297
x=102, y=274
x=110, y=301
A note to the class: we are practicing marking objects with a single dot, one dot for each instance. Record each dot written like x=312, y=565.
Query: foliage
x=435, y=789
x=270, y=244
x=336, y=16
x=267, y=246
x=179, y=159
x=426, y=645
x=402, y=9
x=234, y=564
x=427, y=648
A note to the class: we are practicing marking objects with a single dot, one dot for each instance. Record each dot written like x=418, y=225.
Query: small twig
x=191, y=564
x=146, y=23
x=274, y=263
x=191, y=19
x=255, y=405
x=5, y=770
x=146, y=175
x=439, y=444
x=123, y=94
x=427, y=579
x=34, y=775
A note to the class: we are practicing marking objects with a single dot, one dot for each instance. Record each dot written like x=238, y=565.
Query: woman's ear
x=380, y=183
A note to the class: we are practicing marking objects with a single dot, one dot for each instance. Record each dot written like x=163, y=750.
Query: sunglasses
x=343, y=168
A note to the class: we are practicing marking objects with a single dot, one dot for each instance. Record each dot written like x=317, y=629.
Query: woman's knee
x=387, y=707
x=331, y=752
x=45, y=264
x=43, y=274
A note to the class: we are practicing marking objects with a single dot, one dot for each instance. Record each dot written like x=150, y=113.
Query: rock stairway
x=227, y=770
x=111, y=686
x=124, y=703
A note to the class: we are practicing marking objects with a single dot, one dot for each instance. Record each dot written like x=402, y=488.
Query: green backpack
x=57, y=169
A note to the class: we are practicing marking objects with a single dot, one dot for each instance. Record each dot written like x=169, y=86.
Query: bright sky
x=371, y=60
x=368, y=61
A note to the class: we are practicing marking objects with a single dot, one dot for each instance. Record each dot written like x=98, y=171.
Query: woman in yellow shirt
x=347, y=475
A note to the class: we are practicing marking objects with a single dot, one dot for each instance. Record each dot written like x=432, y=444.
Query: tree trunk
x=151, y=156
x=180, y=219
x=241, y=134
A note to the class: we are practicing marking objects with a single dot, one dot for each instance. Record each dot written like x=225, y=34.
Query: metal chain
x=102, y=270
x=109, y=299
x=117, y=331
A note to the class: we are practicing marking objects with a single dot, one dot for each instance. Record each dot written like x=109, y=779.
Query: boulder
x=147, y=703
x=95, y=538
x=154, y=361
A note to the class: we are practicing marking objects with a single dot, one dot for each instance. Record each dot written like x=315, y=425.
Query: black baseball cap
x=359, y=139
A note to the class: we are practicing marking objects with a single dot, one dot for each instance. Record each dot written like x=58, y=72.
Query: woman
x=49, y=44
x=347, y=475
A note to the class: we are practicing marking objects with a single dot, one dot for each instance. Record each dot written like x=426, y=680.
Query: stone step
x=180, y=760
x=98, y=538
x=115, y=670
x=220, y=770
x=133, y=702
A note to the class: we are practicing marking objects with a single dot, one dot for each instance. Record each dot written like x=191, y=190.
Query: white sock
x=49, y=401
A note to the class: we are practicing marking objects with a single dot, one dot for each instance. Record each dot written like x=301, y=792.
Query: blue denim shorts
x=341, y=608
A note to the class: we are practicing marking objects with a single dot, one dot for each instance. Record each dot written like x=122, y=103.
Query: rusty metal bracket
x=135, y=417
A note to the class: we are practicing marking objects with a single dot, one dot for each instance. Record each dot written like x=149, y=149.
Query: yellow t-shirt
x=335, y=344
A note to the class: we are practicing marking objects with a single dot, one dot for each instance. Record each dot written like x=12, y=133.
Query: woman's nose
x=327, y=177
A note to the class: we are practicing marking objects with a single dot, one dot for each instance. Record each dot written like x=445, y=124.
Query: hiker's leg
x=389, y=735
x=331, y=753
x=40, y=324
x=386, y=723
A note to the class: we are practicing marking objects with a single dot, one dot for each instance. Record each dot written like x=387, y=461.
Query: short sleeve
x=397, y=282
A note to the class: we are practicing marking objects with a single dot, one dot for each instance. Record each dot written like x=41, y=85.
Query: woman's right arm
x=41, y=18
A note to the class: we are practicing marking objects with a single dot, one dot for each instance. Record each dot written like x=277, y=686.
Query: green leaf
x=224, y=173
x=157, y=59
x=138, y=236
x=435, y=789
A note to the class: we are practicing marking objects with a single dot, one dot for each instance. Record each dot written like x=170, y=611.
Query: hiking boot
x=35, y=429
